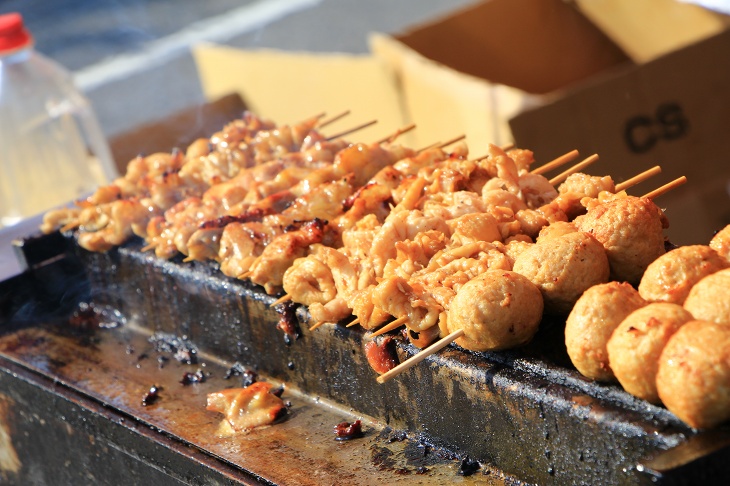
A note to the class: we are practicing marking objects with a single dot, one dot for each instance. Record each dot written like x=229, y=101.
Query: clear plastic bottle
x=52, y=149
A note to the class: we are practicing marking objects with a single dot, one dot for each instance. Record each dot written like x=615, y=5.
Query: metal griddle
x=72, y=387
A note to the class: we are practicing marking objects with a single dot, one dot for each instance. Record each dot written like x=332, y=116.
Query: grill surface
x=525, y=412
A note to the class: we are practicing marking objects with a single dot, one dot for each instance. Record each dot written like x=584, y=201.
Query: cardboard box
x=673, y=111
x=550, y=75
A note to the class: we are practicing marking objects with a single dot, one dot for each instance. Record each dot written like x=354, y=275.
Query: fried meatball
x=709, y=299
x=721, y=242
x=499, y=309
x=635, y=346
x=563, y=268
x=694, y=374
x=631, y=230
x=670, y=277
x=590, y=324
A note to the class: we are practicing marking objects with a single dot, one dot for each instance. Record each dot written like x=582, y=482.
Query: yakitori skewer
x=417, y=358
x=638, y=178
x=576, y=168
x=354, y=323
x=390, y=326
x=553, y=164
x=666, y=188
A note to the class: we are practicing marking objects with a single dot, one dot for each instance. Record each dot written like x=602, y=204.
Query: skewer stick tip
x=557, y=162
x=329, y=121
x=452, y=141
x=352, y=130
x=638, y=178
x=398, y=133
x=316, y=325
x=576, y=168
x=281, y=300
x=666, y=188
x=390, y=326
x=70, y=226
x=354, y=323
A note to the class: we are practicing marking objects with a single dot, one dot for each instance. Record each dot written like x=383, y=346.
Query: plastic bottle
x=52, y=149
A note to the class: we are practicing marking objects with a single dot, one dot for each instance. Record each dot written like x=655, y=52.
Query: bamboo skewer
x=149, y=247
x=666, y=188
x=417, y=358
x=281, y=300
x=354, y=323
x=316, y=325
x=351, y=130
x=390, y=326
x=576, y=168
x=638, y=178
x=562, y=160
x=433, y=145
x=70, y=226
x=398, y=133
x=245, y=275
x=334, y=119
x=506, y=147
x=452, y=141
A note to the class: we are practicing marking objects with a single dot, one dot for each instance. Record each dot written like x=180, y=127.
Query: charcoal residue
x=181, y=348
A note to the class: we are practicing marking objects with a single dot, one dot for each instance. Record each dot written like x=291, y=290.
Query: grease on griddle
x=348, y=431
x=407, y=455
x=180, y=347
x=152, y=395
x=288, y=322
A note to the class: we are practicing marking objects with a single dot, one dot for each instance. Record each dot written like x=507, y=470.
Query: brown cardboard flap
x=177, y=130
x=535, y=45
x=673, y=112
x=287, y=87
x=444, y=103
x=674, y=24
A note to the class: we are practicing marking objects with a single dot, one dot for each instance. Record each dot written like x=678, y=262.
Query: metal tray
x=523, y=416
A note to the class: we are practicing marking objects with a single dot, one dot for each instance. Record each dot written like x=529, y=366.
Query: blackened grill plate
x=526, y=412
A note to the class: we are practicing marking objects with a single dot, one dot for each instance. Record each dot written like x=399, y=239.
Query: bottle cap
x=13, y=34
